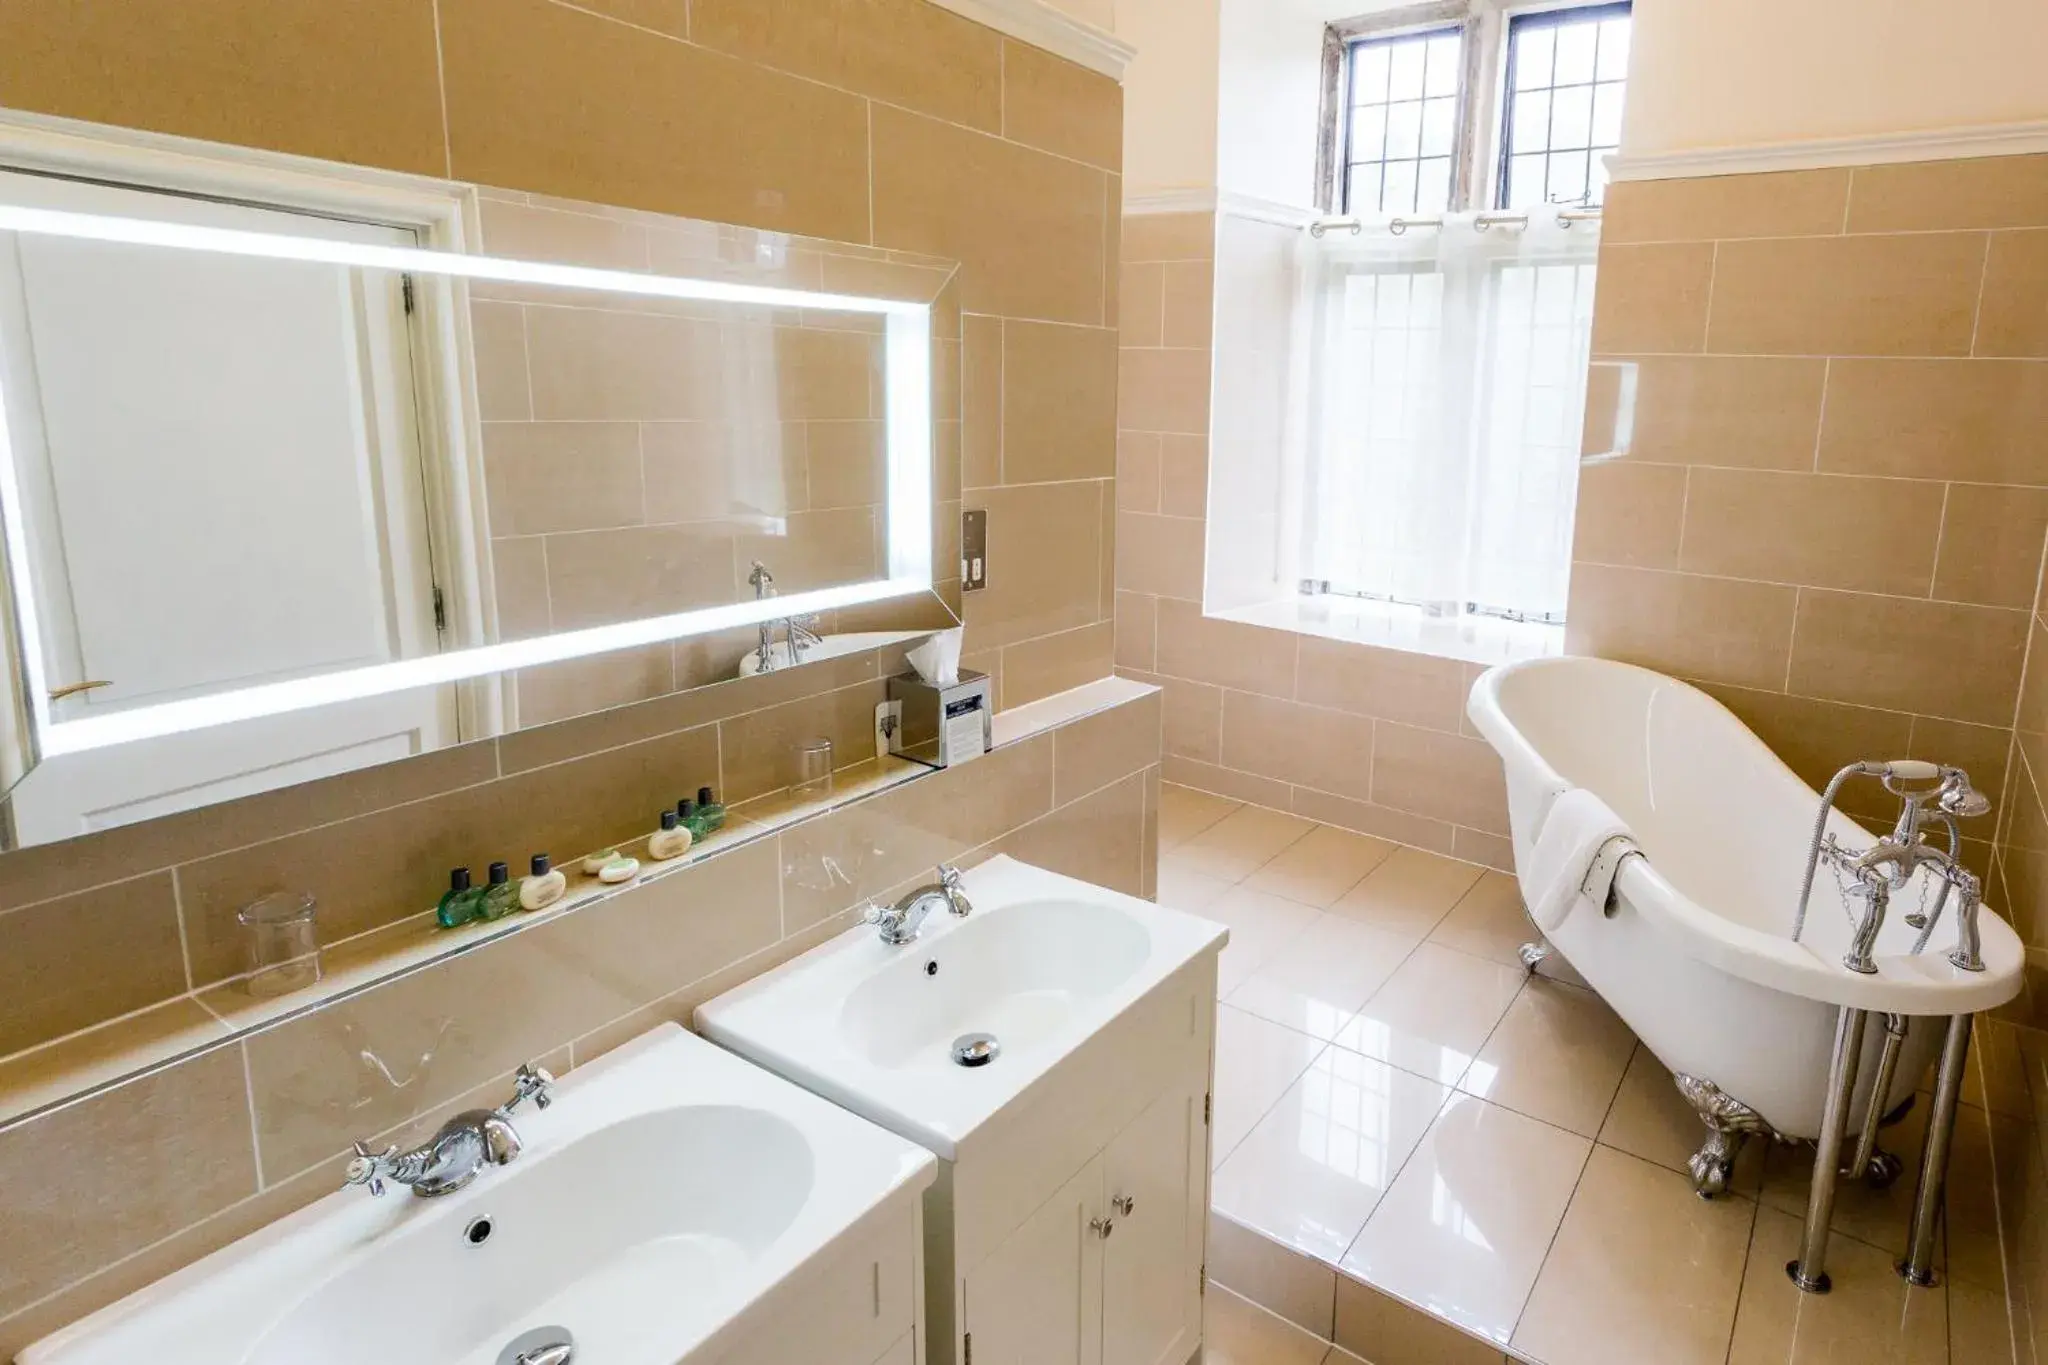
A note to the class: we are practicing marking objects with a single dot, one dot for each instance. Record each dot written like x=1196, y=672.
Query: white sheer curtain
x=1447, y=378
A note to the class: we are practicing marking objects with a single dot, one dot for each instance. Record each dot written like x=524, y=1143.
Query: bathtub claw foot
x=1730, y=1124
x=1884, y=1168
x=1532, y=954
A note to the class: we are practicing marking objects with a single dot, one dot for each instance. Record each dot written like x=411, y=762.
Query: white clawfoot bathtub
x=1696, y=953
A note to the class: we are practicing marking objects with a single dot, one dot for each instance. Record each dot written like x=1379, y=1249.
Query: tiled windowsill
x=1404, y=628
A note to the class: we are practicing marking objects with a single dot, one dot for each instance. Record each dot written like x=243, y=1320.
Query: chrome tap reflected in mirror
x=460, y=1150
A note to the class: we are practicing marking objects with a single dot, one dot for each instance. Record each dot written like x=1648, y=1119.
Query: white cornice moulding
x=1191, y=199
x=1210, y=200
x=1041, y=25
x=2003, y=139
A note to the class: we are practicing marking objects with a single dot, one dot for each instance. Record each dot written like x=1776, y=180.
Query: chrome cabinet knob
x=1123, y=1204
x=1102, y=1227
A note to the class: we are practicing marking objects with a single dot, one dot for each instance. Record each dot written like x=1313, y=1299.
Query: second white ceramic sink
x=1042, y=963
x=668, y=1188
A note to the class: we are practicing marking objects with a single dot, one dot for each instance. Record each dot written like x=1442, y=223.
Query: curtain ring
x=1398, y=226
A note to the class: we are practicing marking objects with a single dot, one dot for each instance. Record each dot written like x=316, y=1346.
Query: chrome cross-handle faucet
x=901, y=922
x=458, y=1153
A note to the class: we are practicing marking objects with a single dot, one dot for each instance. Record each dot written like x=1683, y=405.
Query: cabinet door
x=1037, y=1298
x=1151, y=1263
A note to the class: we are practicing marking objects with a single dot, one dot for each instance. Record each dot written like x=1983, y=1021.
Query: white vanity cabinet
x=862, y=1305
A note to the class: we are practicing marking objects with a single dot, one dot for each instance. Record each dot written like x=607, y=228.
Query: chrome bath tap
x=901, y=922
x=458, y=1153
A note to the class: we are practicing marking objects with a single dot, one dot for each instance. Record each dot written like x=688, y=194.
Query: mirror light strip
x=418, y=260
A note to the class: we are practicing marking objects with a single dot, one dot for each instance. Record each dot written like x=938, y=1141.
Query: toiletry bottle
x=501, y=897
x=670, y=841
x=710, y=814
x=686, y=816
x=458, y=902
x=544, y=887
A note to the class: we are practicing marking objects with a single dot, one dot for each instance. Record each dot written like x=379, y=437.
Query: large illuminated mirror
x=304, y=475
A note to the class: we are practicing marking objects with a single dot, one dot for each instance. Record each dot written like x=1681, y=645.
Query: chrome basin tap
x=458, y=1153
x=901, y=922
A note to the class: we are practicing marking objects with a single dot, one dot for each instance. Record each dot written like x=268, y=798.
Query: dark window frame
x=1518, y=25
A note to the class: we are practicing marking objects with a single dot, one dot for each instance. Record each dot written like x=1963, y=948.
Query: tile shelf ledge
x=1386, y=626
x=70, y=1070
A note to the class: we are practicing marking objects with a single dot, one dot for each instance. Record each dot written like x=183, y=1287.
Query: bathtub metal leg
x=1918, y=1267
x=1809, y=1272
x=1730, y=1124
x=1532, y=954
x=1879, y=1168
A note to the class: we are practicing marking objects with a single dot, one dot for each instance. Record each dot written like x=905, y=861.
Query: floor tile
x=1465, y=1227
x=1409, y=893
x=1871, y=1317
x=1980, y=1327
x=1986, y=1192
x=1317, y=980
x=1375, y=1326
x=1323, y=865
x=1277, y=1278
x=1488, y=920
x=1312, y=1171
x=1236, y=1331
x=1650, y=1119
x=1255, y=1063
x=1185, y=812
x=1434, y=1013
x=1643, y=1269
x=1260, y=926
x=1878, y=1217
x=1997, y=1075
x=1183, y=888
x=1557, y=1055
x=1242, y=842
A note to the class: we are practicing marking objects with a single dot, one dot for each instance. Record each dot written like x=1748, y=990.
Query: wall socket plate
x=888, y=719
x=973, y=551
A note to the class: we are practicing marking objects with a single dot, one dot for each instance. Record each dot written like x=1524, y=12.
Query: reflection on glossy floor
x=1426, y=1155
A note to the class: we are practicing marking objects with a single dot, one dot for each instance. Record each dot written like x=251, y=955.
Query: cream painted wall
x=1269, y=97
x=1169, y=93
x=1744, y=73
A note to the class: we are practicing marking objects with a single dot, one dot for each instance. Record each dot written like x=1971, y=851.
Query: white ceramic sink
x=830, y=647
x=1042, y=963
x=668, y=1187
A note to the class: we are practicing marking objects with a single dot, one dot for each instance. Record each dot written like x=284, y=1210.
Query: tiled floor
x=1426, y=1155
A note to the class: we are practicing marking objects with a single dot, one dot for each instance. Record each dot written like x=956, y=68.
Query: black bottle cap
x=668, y=819
x=458, y=880
x=705, y=797
x=500, y=874
x=685, y=808
x=541, y=865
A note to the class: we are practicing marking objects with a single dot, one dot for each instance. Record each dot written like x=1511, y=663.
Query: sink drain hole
x=478, y=1232
x=541, y=1346
x=975, y=1049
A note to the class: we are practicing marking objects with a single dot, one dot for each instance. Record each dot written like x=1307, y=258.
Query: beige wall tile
x=1137, y=471
x=1141, y=303
x=1106, y=747
x=599, y=577
x=1099, y=838
x=1309, y=746
x=822, y=373
x=1189, y=295
x=1715, y=629
x=1137, y=626
x=1169, y=237
x=1226, y=782
x=1160, y=555
x=847, y=463
x=819, y=549
x=1417, y=689
x=1932, y=658
x=594, y=365
x=1744, y=412
x=519, y=572
x=1969, y=192
x=757, y=749
x=1053, y=663
x=1060, y=107
x=544, y=97
x=705, y=472
x=497, y=334
x=2013, y=320
x=1164, y=391
x=1381, y=822
x=1991, y=540
x=1981, y=750
x=1045, y=549
x=1488, y=850
x=908, y=53
x=1876, y=535
x=981, y=398
x=1772, y=204
x=180, y=1141
x=1629, y=513
x=561, y=476
x=1059, y=402
x=1652, y=298
x=1912, y=294
x=1028, y=228
x=1184, y=475
x=1228, y=653
x=578, y=687
x=671, y=17
x=1981, y=420
x=352, y=83
x=73, y=962
x=1191, y=723
x=1444, y=777
x=1816, y=738
x=564, y=236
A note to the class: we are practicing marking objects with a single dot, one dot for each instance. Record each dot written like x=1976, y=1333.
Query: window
x=1566, y=75
x=1403, y=122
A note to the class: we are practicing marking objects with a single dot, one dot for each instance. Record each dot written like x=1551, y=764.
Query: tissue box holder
x=942, y=724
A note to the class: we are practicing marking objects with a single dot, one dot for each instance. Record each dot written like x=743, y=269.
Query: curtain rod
x=1480, y=222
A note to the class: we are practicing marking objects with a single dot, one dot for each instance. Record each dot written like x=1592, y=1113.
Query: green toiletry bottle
x=710, y=814
x=501, y=897
x=458, y=904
